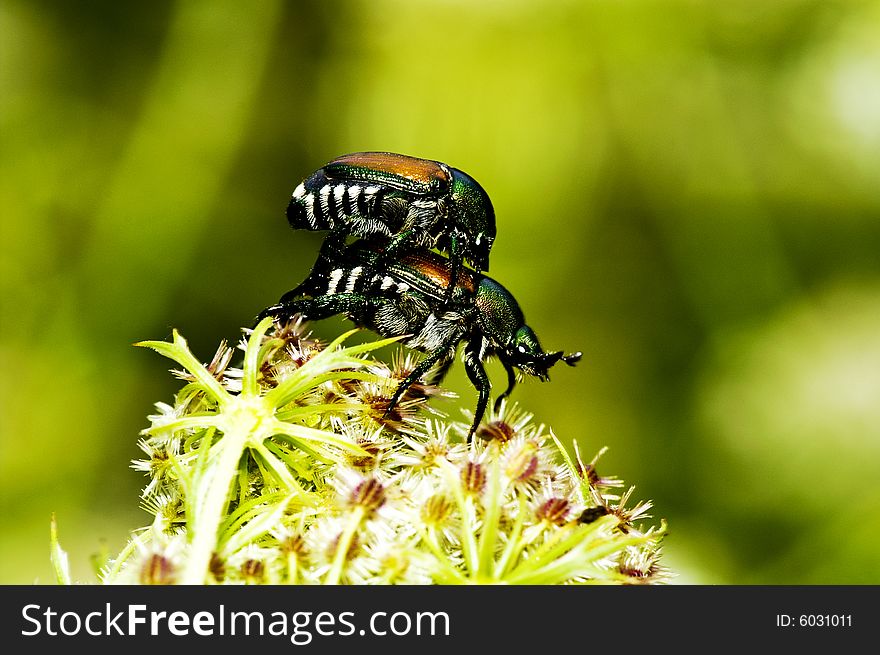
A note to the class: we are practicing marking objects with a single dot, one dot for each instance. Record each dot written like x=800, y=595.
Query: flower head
x=295, y=468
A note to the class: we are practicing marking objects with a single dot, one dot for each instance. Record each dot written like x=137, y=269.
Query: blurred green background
x=686, y=191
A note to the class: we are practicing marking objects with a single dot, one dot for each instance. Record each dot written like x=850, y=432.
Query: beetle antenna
x=573, y=358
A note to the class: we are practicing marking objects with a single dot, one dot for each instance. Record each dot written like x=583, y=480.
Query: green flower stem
x=282, y=473
x=465, y=506
x=186, y=422
x=570, y=552
x=58, y=556
x=344, y=544
x=556, y=543
x=257, y=523
x=514, y=543
x=120, y=560
x=212, y=489
x=292, y=568
x=446, y=573
x=250, y=510
x=489, y=533
x=307, y=410
x=241, y=423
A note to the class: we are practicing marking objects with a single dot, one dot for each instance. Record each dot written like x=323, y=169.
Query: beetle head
x=503, y=323
x=472, y=214
x=526, y=354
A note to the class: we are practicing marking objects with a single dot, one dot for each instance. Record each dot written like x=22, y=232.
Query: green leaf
x=318, y=369
x=253, y=355
x=252, y=524
x=317, y=436
x=58, y=556
x=180, y=353
x=186, y=422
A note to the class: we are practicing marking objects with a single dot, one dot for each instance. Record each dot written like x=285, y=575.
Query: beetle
x=413, y=202
x=407, y=298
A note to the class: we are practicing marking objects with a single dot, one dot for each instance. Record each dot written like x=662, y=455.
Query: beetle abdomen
x=360, y=279
x=319, y=203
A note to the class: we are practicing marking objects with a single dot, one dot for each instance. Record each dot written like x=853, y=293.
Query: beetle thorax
x=499, y=314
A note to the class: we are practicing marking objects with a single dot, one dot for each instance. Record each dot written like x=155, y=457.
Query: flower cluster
x=291, y=469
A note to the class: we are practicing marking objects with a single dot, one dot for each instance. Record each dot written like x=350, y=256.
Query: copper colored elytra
x=412, y=168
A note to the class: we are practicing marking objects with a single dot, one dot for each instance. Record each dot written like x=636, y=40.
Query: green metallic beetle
x=413, y=203
x=407, y=297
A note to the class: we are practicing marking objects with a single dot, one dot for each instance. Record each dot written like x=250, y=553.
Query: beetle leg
x=275, y=311
x=441, y=371
x=423, y=366
x=387, y=253
x=477, y=375
x=314, y=309
x=316, y=281
x=305, y=290
x=310, y=287
x=333, y=245
x=454, y=269
x=511, y=383
x=397, y=241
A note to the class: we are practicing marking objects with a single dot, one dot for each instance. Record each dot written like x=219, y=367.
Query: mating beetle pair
x=414, y=203
x=391, y=282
